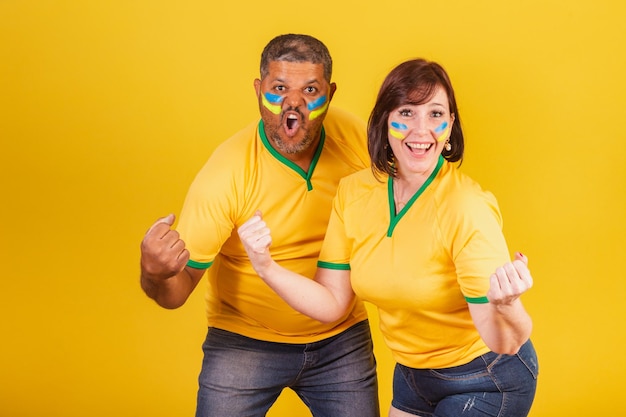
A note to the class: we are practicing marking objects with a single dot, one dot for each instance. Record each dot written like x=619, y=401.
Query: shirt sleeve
x=337, y=247
x=206, y=219
x=478, y=244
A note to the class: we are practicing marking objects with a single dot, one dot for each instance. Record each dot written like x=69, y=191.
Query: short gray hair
x=296, y=48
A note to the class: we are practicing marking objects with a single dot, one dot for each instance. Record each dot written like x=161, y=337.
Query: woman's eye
x=405, y=113
x=437, y=113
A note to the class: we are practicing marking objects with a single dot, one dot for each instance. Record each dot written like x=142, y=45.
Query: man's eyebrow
x=282, y=80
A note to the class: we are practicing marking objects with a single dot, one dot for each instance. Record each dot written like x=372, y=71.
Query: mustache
x=295, y=110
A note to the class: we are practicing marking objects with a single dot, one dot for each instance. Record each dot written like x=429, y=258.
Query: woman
x=421, y=241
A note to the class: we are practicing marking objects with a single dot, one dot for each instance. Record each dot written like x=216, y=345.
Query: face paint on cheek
x=395, y=128
x=442, y=128
x=320, y=104
x=272, y=102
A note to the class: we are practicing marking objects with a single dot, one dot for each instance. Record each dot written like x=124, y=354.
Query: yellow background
x=109, y=107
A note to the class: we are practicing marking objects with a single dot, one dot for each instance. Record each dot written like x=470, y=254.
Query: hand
x=256, y=239
x=163, y=253
x=510, y=281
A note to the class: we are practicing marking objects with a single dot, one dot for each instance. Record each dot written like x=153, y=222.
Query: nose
x=418, y=126
x=294, y=99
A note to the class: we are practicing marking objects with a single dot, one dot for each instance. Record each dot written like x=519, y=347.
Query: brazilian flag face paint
x=443, y=129
x=272, y=102
x=397, y=130
x=317, y=107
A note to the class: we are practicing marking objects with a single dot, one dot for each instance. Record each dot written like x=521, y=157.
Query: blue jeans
x=490, y=385
x=243, y=377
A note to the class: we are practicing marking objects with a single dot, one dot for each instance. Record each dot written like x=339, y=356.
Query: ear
x=333, y=88
x=257, y=87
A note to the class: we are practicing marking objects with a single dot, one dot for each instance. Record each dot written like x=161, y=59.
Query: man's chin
x=292, y=145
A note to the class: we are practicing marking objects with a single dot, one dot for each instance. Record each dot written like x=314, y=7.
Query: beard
x=293, y=146
x=290, y=147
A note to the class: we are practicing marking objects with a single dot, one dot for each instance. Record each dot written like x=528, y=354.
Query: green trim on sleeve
x=477, y=300
x=199, y=265
x=330, y=265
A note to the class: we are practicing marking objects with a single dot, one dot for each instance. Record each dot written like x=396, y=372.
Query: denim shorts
x=243, y=377
x=490, y=385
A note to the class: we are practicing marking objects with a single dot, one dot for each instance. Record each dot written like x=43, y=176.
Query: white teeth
x=419, y=145
x=292, y=116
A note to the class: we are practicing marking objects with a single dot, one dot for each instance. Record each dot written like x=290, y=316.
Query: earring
x=448, y=147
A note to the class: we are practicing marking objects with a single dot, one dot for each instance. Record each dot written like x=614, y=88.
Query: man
x=288, y=166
